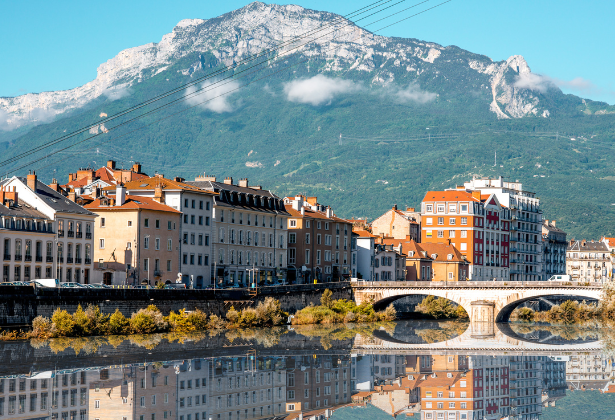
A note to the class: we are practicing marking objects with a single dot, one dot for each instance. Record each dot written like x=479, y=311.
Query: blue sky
x=58, y=45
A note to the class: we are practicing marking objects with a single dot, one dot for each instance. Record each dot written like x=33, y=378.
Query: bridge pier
x=482, y=319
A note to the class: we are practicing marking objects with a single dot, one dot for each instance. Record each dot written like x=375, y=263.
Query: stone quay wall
x=19, y=305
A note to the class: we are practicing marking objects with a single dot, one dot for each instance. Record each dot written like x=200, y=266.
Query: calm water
x=411, y=369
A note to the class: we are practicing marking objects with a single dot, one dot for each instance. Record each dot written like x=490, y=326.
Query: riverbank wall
x=19, y=305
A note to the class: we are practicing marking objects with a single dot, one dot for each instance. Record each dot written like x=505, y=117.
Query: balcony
x=49, y=258
x=88, y=261
x=39, y=258
x=17, y=257
x=79, y=235
x=28, y=258
x=60, y=233
x=60, y=259
x=69, y=260
x=88, y=236
x=71, y=234
x=157, y=273
x=7, y=257
x=78, y=260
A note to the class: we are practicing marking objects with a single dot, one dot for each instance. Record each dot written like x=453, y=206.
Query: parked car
x=141, y=286
x=72, y=285
x=175, y=286
x=97, y=286
x=47, y=282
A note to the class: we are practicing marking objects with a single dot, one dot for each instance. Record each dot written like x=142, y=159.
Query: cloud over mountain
x=213, y=96
x=318, y=90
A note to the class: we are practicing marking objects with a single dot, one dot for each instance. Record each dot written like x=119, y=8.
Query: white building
x=250, y=232
x=588, y=261
x=526, y=225
x=68, y=253
x=365, y=255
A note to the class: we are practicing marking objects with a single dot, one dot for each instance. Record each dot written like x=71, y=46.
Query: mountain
x=413, y=116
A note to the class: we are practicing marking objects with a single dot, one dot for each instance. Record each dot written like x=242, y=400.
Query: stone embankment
x=19, y=305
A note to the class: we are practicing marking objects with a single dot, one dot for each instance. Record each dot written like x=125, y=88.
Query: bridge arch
x=475, y=297
x=503, y=314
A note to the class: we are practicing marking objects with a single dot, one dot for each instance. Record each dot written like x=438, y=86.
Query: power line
x=209, y=76
x=192, y=94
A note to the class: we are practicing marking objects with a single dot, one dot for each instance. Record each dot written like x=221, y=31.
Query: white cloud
x=318, y=90
x=117, y=92
x=533, y=81
x=5, y=125
x=413, y=93
x=540, y=83
x=212, y=96
x=36, y=116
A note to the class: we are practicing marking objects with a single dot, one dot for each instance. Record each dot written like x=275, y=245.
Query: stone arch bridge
x=483, y=301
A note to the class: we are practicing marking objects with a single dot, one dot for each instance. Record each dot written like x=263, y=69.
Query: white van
x=47, y=282
x=560, y=277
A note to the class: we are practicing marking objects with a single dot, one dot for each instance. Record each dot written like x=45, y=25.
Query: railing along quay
x=475, y=284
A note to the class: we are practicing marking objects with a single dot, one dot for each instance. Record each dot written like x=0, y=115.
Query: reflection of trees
x=445, y=331
x=340, y=332
x=266, y=337
x=589, y=330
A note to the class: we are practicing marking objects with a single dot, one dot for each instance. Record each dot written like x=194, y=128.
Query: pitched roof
x=588, y=246
x=53, y=198
x=132, y=202
x=216, y=186
x=313, y=214
x=21, y=209
x=611, y=241
x=151, y=183
x=363, y=233
x=441, y=250
x=453, y=195
x=105, y=174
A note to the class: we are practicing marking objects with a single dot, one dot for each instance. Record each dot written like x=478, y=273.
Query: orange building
x=477, y=225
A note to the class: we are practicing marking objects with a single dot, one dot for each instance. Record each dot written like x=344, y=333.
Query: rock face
x=233, y=36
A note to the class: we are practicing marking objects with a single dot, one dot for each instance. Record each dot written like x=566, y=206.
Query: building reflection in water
x=430, y=387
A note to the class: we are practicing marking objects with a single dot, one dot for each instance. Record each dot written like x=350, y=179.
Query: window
x=307, y=256
x=102, y=223
x=464, y=208
x=452, y=220
x=169, y=244
x=129, y=223
x=292, y=223
x=464, y=233
x=451, y=233
x=169, y=225
x=101, y=244
x=429, y=220
x=429, y=208
x=440, y=234
x=307, y=238
x=292, y=238
x=146, y=242
x=157, y=244
x=157, y=223
x=440, y=208
x=464, y=220
x=440, y=220
x=464, y=246
x=146, y=222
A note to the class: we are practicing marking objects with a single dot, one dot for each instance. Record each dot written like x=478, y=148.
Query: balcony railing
x=61, y=233
x=28, y=258
x=7, y=257
x=79, y=235
x=78, y=260
x=17, y=257
x=49, y=258
x=88, y=236
x=39, y=258
x=71, y=234
x=61, y=259
x=88, y=261
x=157, y=273
x=69, y=260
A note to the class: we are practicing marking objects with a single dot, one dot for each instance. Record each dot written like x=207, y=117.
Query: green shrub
x=198, y=318
x=525, y=314
x=63, y=324
x=41, y=327
x=326, y=300
x=390, y=314
x=179, y=322
x=118, y=323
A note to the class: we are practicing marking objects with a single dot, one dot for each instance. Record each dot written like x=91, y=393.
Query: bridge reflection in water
x=435, y=370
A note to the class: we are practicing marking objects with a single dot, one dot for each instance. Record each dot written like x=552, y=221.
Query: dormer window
x=449, y=257
x=411, y=254
x=434, y=256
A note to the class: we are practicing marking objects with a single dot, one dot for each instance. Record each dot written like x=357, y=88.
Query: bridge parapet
x=478, y=284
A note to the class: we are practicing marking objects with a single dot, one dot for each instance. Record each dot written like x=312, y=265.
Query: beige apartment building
x=589, y=261
x=319, y=243
x=136, y=240
x=398, y=224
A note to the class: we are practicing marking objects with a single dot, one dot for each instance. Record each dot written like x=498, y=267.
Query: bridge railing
x=475, y=284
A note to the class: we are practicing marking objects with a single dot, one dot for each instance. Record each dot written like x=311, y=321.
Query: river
x=431, y=370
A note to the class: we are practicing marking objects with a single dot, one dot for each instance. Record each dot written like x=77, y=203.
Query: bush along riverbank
x=92, y=322
x=571, y=311
x=440, y=308
x=341, y=311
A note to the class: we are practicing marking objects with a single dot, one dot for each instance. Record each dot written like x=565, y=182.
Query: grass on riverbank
x=341, y=311
x=440, y=308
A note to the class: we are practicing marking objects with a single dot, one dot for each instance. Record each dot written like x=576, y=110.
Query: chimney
x=72, y=196
x=158, y=194
x=584, y=243
x=157, y=175
x=553, y=223
x=257, y=187
x=410, y=209
x=312, y=201
x=120, y=194
x=111, y=164
x=136, y=168
x=228, y=180
x=71, y=177
x=54, y=185
x=476, y=194
x=302, y=211
x=394, y=206
x=32, y=181
x=243, y=182
x=297, y=203
x=179, y=179
x=206, y=177
x=329, y=212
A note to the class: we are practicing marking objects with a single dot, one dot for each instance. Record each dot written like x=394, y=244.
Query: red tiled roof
x=312, y=214
x=363, y=233
x=442, y=250
x=167, y=184
x=132, y=202
x=454, y=195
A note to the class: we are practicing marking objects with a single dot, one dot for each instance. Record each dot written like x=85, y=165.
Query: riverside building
x=249, y=235
x=554, y=246
x=66, y=254
x=474, y=223
x=525, y=227
x=319, y=243
x=588, y=261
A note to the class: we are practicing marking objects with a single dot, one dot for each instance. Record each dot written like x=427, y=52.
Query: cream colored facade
x=398, y=224
x=589, y=261
x=133, y=245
